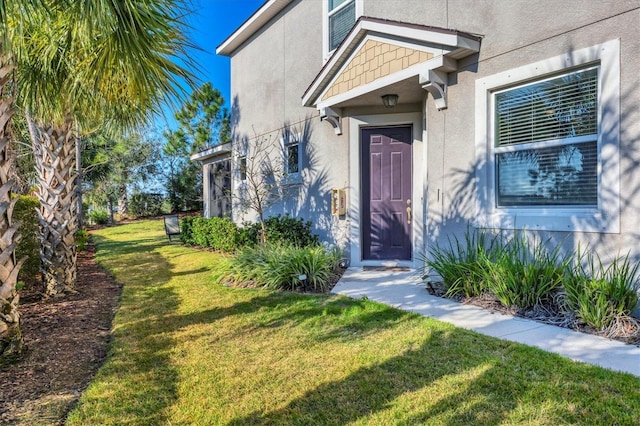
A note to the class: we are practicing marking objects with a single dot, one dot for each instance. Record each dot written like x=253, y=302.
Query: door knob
x=409, y=214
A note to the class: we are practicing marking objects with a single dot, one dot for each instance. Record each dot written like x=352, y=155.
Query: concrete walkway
x=402, y=290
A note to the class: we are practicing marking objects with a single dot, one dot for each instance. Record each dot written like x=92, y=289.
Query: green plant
x=282, y=267
x=599, y=294
x=525, y=273
x=186, y=230
x=82, y=239
x=280, y=229
x=460, y=264
x=143, y=204
x=312, y=359
x=25, y=212
x=99, y=217
x=218, y=233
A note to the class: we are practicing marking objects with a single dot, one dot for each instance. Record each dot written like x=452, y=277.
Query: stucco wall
x=269, y=76
x=516, y=33
x=271, y=72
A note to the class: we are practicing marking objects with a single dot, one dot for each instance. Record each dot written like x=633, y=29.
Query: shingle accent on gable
x=375, y=59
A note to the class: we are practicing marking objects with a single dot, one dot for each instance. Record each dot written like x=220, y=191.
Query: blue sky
x=213, y=22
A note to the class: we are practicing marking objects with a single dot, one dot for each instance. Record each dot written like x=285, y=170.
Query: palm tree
x=11, y=342
x=10, y=333
x=85, y=63
x=108, y=63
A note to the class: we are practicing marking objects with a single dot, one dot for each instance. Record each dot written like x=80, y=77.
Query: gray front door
x=386, y=193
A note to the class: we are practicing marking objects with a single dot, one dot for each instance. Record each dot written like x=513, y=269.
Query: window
x=547, y=142
x=292, y=156
x=339, y=18
x=242, y=163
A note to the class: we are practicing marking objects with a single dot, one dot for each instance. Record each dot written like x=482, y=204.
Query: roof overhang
x=222, y=151
x=256, y=21
x=380, y=56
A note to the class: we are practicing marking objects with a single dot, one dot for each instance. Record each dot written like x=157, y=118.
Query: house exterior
x=503, y=115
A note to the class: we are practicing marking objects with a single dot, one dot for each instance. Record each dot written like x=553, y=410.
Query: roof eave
x=461, y=44
x=216, y=151
x=256, y=21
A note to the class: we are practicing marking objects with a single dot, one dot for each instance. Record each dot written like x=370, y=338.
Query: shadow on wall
x=451, y=216
x=280, y=172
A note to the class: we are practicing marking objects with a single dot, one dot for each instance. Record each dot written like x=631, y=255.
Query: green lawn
x=186, y=351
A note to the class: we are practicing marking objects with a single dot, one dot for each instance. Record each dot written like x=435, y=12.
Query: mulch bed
x=66, y=342
x=554, y=312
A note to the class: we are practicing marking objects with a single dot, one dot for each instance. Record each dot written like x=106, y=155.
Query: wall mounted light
x=390, y=101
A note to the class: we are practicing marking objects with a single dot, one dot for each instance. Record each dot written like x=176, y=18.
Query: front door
x=386, y=190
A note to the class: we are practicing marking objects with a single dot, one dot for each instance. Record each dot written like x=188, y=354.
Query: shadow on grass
x=138, y=380
x=486, y=381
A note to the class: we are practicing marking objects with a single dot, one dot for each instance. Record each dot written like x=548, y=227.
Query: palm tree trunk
x=55, y=154
x=11, y=342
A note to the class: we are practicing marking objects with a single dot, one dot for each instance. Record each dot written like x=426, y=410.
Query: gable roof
x=260, y=17
x=379, y=52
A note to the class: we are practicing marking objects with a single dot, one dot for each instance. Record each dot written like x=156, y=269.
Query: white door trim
x=418, y=177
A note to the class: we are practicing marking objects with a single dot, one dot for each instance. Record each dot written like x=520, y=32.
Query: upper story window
x=339, y=17
x=548, y=143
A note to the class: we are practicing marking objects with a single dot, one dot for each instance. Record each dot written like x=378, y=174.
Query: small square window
x=293, y=158
x=242, y=163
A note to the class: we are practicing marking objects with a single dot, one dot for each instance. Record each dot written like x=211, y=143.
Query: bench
x=171, y=225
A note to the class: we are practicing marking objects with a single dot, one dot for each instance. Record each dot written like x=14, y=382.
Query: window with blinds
x=546, y=142
x=342, y=17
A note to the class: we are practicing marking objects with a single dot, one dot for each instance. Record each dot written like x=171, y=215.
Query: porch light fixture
x=390, y=101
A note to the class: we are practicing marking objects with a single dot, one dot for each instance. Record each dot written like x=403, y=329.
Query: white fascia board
x=388, y=80
x=448, y=42
x=218, y=150
x=256, y=21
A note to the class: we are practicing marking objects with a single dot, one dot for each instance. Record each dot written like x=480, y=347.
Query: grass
x=187, y=351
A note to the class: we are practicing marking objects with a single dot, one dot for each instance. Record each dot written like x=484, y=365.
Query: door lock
x=409, y=211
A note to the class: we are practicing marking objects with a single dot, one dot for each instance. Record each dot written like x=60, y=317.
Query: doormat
x=386, y=268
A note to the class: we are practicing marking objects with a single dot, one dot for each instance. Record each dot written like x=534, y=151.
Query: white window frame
x=239, y=170
x=605, y=217
x=326, y=53
x=285, y=143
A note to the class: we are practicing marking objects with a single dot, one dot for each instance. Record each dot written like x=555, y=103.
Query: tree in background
x=202, y=123
x=76, y=65
x=83, y=66
x=114, y=168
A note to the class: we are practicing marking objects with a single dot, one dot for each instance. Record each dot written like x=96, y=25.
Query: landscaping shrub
x=186, y=230
x=223, y=234
x=82, y=239
x=282, y=267
x=599, y=294
x=144, y=204
x=25, y=211
x=99, y=217
x=280, y=229
x=460, y=264
x=218, y=233
x=525, y=273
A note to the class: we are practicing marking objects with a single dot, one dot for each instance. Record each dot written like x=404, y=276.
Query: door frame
x=356, y=123
x=405, y=135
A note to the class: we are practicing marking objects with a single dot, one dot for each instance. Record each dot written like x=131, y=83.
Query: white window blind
x=342, y=17
x=558, y=108
x=546, y=151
